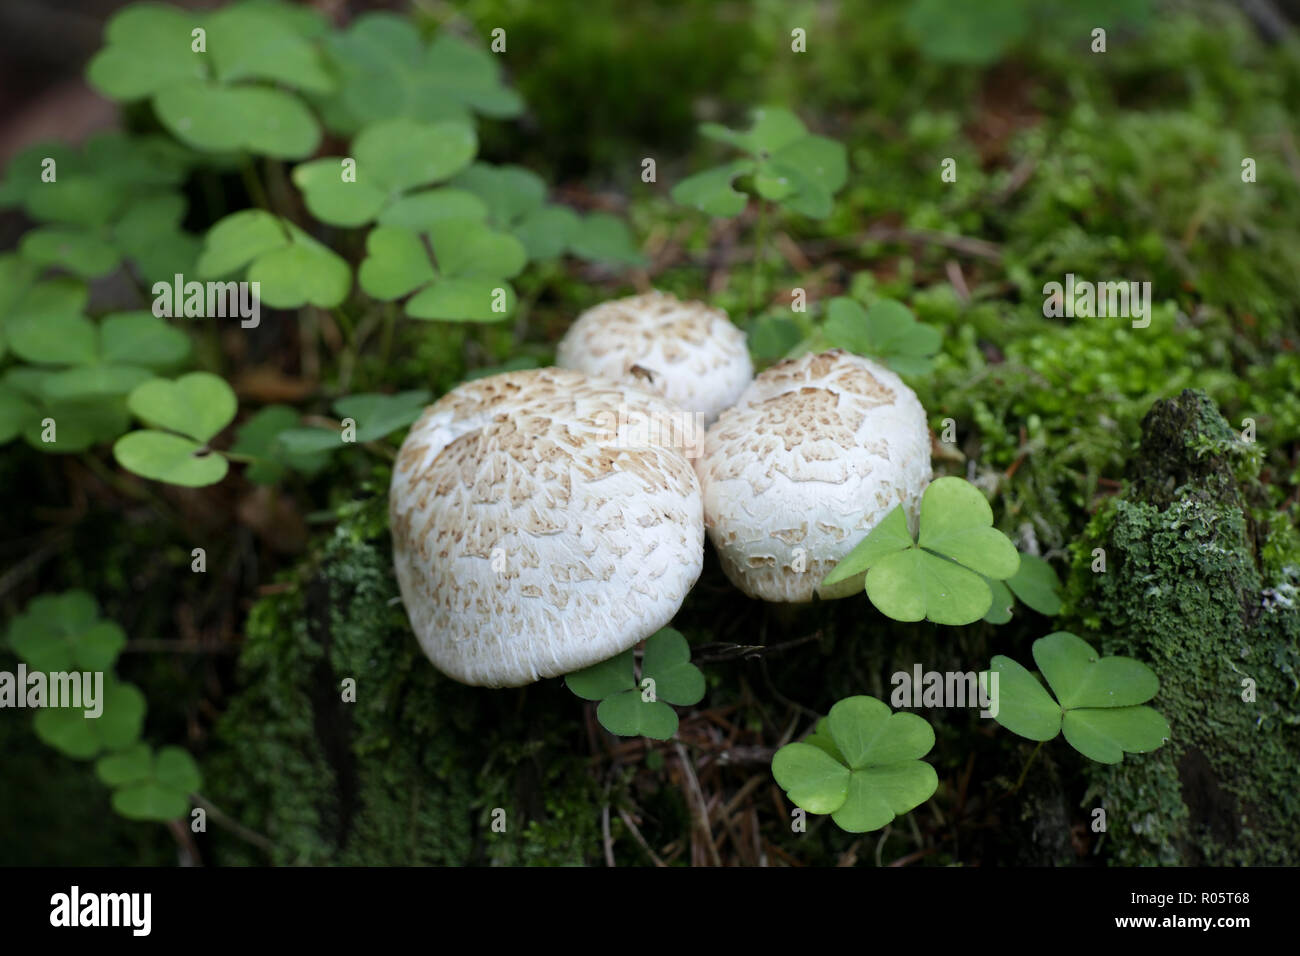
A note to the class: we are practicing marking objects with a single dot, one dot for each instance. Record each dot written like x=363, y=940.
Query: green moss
x=409, y=772
x=1183, y=591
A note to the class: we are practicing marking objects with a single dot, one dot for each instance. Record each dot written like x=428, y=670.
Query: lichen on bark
x=1200, y=582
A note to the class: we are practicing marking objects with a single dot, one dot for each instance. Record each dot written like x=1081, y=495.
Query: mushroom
x=533, y=533
x=688, y=352
x=816, y=452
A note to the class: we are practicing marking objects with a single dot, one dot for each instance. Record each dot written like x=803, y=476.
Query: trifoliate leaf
x=605, y=679
x=198, y=405
x=667, y=661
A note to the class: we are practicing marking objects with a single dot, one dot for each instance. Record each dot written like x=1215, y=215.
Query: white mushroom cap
x=816, y=452
x=688, y=352
x=531, y=536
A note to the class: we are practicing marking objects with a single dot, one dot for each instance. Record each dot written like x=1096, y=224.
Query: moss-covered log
x=412, y=771
x=1200, y=581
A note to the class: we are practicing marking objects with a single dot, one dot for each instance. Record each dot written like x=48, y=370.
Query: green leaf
x=175, y=768
x=821, y=738
x=396, y=263
x=418, y=211
x=76, y=200
x=814, y=780
x=712, y=191
x=84, y=253
x=131, y=765
x=16, y=412
x=70, y=732
x=198, y=405
x=510, y=192
x=772, y=129
x=141, y=338
x=1023, y=705
x=667, y=661
x=259, y=437
x=879, y=794
x=1079, y=677
x=378, y=415
x=956, y=521
x=868, y=734
x=862, y=765
x=467, y=248
x=79, y=423
x=333, y=200
x=604, y=238
x=303, y=273
x=463, y=300
x=1037, y=585
x=147, y=48
x=627, y=715
x=63, y=632
x=773, y=336
x=163, y=456
x=967, y=34
x=310, y=441
x=605, y=679
x=1000, y=611
x=547, y=232
x=401, y=154
x=249, y=41
x=888, y=537
x=887, y=330
x=55, y=340
x=912, y=585
x=214, y=118
x=92, y=381
x=1106, y=734
x=238, y=239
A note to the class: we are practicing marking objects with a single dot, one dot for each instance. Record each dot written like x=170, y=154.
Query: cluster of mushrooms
x=546, y=520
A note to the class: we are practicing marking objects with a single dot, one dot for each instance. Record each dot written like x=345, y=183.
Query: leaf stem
x=1025, y=771
x=760, y=249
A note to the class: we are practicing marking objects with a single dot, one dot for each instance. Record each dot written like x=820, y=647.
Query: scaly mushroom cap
x=816, y=452
x=686, y=351
x=531, y=535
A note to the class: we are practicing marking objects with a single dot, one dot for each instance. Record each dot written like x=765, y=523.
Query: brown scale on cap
x=815, y=452
x=531, y=537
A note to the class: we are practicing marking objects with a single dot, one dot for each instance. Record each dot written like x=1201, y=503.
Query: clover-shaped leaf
x=887, y=330
x=57, y=425
x=391, y=157
x=515, y=198
x=1099, y=700
x=204, y=96
x=291, y=268
x=1035, y=584
x=387, y=72
x=196, y=407
x=110, y=358
x=148, y=785
x=64, y=632
x=105, y=203
x=862, y=765
x=259, y=438
x=469, y=282
x=786, y=164
x=373, y=416
x=632, y=708
x=69, y=731
x=941, y=576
